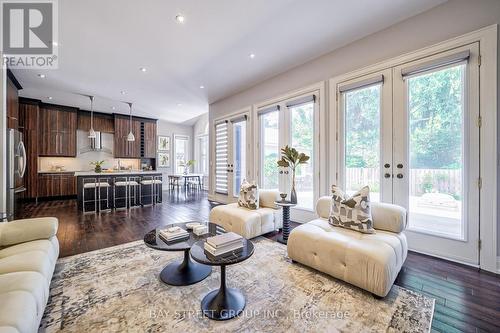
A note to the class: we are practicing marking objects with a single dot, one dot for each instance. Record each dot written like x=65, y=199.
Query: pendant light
x=130, y=136
x=92, y=134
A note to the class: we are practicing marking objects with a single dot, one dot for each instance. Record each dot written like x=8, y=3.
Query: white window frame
x=188, y=154
x=487, y=37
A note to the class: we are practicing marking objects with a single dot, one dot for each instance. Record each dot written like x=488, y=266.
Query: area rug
x=118, y=290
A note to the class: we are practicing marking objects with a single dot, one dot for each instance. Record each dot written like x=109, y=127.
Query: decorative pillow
x=249, y=195
x=352, y=212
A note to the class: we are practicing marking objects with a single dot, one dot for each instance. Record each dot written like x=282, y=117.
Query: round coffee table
x=182, y=272
x=223, y=303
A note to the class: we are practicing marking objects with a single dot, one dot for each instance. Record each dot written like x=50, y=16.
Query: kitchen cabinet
x=28, y=116
x=122, y=147
x=148, y=143
x=56, y=184
x=102, y=122
x=57, y=130
x=12, y=104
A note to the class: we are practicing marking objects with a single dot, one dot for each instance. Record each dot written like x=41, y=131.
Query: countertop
x=116, y=173
x=54, y=172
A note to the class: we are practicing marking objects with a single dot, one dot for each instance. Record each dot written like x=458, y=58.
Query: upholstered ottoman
x=368, y=261
x=249, y=223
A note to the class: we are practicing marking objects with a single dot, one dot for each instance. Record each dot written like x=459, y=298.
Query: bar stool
x=95, y=184
x=128, y=184
x=136, y=187
x=153, y=182
x=158, y=180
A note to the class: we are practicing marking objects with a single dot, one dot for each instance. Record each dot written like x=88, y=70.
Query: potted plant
x=98, y=166
x=186, y=165
x=291, y=158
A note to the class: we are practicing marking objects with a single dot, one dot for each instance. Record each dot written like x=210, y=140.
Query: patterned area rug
x=118, y=290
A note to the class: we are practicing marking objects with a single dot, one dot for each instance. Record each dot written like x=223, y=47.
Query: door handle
x=22, y=151
x=387, y=175
x=387, y=165
x=399, y=166
x=399, y=175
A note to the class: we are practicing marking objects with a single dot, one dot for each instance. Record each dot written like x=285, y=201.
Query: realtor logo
x=29, y=31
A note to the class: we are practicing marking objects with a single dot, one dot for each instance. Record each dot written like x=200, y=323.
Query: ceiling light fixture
x=180, y=18
x=123, y=92
x=143, y=69
x=179, y=104
x=202, y=87
x=92, y=134
x=41, y=76
x=130, y=136
x=50, y=97
x=113, y=108
x=251, y=55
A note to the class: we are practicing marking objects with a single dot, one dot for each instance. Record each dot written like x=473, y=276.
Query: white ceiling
x=102, y=45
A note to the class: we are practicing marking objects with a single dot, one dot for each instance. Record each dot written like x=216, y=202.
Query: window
x=239, y=154
x=270, y=150
x=203, y=154
x=181, y=147
x=221, y=158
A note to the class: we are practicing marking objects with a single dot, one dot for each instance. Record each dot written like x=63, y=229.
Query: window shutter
x=221, y=158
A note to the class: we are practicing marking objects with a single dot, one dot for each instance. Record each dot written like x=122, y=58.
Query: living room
x=261, y=166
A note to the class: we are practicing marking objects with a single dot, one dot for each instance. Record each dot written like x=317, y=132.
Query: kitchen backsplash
x=82, y=161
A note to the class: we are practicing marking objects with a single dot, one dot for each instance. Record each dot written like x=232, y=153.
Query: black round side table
x=286, y=205
x=182, y=272
x=223, y=303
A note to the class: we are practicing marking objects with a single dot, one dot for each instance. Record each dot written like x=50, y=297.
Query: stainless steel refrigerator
x=16, y=167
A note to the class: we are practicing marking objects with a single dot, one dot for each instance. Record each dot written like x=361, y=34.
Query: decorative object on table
x=97, y=166
x=163, y=143
x=186, y=165
x=130, y=136
x=173, y=234
x=249, y=195
x=192, y=225
x=223, y=245
x=185, y=271
x=285, y=205
x=291, y=158
x=283, y=197
x=353, y=212
x=164, y=160
x=200, y=230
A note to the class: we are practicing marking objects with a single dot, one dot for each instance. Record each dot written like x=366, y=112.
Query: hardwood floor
x=467, y=300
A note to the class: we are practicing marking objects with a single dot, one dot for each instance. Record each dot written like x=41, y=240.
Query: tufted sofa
x=368, y=261
x=28, y=254
x=250, y=223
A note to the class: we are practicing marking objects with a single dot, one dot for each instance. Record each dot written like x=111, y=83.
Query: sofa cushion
x=29, y=261
x=249, y=195
x=21, y=231
x=31, y=282
x=369, y=261
x=268, y=198
x=352, y=212
x=18, y=310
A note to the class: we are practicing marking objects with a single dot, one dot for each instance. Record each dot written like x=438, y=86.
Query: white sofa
x=369, y=261
x=250, y=223
x=28, y=253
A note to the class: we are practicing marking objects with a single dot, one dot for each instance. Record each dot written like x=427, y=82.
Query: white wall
x=451, y=19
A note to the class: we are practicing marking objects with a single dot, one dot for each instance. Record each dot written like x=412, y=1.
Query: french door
x=411, y=133
x=231, y=155
x=292, y=122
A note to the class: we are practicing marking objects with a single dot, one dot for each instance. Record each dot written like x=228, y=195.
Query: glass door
x=436, y=151
x=269, y=149
x=238, y=154
x=365, y=122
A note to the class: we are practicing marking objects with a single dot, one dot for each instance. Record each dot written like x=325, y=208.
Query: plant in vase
x=291, y=158
x=97, y=166
x=186, y=165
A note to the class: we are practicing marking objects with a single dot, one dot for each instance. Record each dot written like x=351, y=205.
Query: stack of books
x=173, y=234
x=224, y=245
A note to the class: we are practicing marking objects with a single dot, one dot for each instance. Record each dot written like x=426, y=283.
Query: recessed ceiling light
x=41, y=76
x=113, y=108
x=143, y=69
x=202, y=87
x=179, y=104
x=251, y=55
x=180, y=18
x=50, y=97
x=123, y=92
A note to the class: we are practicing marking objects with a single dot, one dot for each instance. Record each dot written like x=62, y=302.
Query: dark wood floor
x=467, y=300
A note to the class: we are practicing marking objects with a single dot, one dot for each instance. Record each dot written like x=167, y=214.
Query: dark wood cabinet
x=28, y=116
x=102, y=122
x=57, y=130
x=12, y=104
x=122, y=147
x=56, y=184
x=149, y=140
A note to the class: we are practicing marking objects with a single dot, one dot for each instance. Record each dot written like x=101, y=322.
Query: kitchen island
x=142, y=194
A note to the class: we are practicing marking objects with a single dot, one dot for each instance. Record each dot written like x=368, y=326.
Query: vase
x=186, y=170
x=293, y=193
x=97, y=169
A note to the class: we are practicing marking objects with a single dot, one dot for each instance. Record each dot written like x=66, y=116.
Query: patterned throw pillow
x=352, y=212
x=249, y=195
